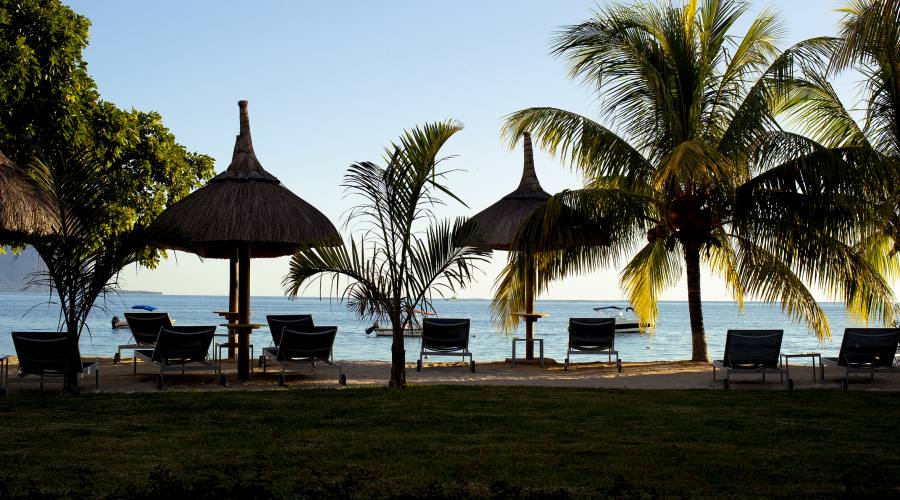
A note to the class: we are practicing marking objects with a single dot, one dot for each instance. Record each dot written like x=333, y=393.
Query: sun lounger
x=309, y=346
x=593, y=336
x=751, y=351
x=144, y=328
x=866, y=350
x=44, y=355
x=297, y=322
x=179, y=349
x=445, y=337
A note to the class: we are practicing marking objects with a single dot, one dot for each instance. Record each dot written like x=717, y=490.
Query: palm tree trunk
x=73, y=362
x=695, y=305
x=398, y=355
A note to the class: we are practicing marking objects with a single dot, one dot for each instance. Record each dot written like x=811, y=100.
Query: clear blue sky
x=330, y=83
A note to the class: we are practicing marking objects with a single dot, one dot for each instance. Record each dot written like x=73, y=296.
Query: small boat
x=409, y=331
x=413, y=330
x=626, y=320
x=121, y=323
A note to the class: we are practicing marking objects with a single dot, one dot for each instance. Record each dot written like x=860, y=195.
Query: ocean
x=670, y=341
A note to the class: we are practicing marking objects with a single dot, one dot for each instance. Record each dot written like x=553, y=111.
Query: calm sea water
x=671, y=340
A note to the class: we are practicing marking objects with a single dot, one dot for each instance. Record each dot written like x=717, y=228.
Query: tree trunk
x=695, y=305
x=73, y=365
x=398, y=355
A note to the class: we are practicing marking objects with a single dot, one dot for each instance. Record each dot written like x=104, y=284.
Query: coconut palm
x=692, y=167
x=869, y=42
x=403, y=255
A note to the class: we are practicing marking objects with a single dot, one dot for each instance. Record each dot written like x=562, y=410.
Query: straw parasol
x=499, y=223
x=25, y=210
x=241, y=213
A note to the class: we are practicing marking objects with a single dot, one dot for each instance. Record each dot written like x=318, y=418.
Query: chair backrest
x=145, y=326
x=445, y=334
x=183, y=344
x=41, y=352
x=592, y=333
x=869, y=347
x=278, y=322
x=314, y=342
x=753, y=348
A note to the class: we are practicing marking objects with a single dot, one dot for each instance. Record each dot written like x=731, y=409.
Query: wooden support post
x=232, y=299
x=529, y=306
x=244, y=310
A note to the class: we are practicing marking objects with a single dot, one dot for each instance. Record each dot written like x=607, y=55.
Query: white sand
x=647, y=375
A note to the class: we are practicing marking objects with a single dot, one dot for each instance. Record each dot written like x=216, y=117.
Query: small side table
x=540, y=342
x=786, y=358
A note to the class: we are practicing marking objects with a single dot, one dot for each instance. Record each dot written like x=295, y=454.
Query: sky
x=332, y=83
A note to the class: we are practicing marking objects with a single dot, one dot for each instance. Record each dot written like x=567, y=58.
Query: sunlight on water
x=671, y=341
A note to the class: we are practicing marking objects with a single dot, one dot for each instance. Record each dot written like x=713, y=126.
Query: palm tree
x=693, y=167
x=869, y=41
x=82, y=257
x=403, y=255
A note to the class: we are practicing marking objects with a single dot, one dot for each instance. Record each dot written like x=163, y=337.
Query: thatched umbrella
x=241, y=213
x=25, y=210
x=499, y=223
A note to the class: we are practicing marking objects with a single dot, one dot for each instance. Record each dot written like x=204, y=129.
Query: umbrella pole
x=232, y=300
x=529, y=306
x=244, y=311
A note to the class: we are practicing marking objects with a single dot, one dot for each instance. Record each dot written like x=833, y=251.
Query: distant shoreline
x=45, y=290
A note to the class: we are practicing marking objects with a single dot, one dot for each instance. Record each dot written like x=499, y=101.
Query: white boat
x=626, y=320
x=409, y=331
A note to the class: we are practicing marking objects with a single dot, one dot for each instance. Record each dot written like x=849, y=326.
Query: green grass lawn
x=452, y=442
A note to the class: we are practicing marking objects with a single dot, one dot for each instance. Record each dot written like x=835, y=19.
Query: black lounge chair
x=752, y=351
x=445, y=337
x=297, y=322
x=309, y=346
x=866, y=350
x=593, y=336
x=179, y=349
x=44, y=355
x=144, y=328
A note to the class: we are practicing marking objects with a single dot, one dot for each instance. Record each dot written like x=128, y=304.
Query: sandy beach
x=680, y=375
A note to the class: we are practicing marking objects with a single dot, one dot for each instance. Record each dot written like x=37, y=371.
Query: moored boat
x=626, y=320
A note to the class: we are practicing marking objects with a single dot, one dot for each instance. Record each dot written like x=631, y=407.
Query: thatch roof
x=499, y=223
x=243, y=204
x=25, y=210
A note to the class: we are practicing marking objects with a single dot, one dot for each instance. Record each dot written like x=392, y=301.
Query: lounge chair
x=593, y=336
x=866, y=350
x=309, y=346
x=44, y=355
x=179, y=349
x=445, y=337
x=297, y=322
x=751, y=351
x=144, y=328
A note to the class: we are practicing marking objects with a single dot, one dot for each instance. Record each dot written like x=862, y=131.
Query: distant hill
x=15, y=271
